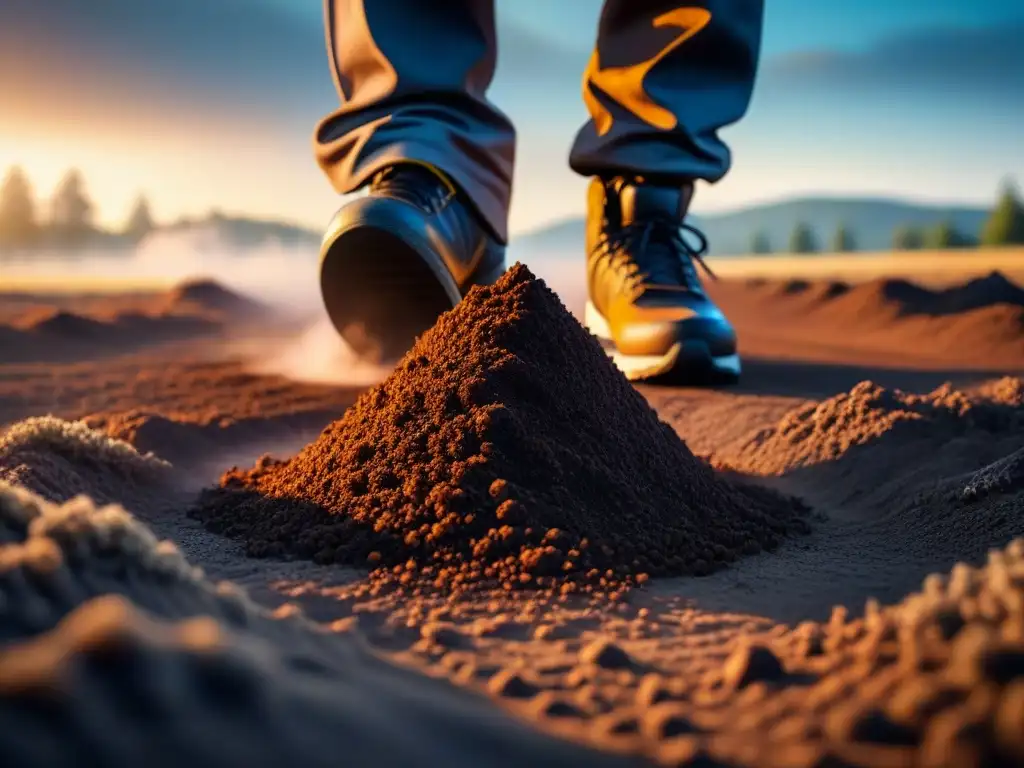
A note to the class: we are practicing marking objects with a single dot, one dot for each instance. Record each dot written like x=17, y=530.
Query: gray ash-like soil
x=59, y=459
x=113, y=644
x=115, y=651
x=505, y=449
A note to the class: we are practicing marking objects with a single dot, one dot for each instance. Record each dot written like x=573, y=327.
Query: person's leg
x=412, y=77
x=662, y=82
x=416, y=129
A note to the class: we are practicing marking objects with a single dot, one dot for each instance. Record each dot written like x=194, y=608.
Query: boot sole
x=686, y=362
x=382, y=284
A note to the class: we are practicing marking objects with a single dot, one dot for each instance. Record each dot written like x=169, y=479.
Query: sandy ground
x=716, y=670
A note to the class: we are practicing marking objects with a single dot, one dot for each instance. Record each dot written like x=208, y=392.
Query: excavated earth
x=506, y=555
x=503, y=449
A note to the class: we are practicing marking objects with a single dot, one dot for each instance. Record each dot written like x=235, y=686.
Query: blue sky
x=790, y=25
x=206, y=103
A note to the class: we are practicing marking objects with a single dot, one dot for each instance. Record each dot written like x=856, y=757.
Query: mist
x=283, y=276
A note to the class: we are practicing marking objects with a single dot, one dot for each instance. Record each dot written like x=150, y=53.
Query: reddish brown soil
x=977, y=324
x=65, y=328
x=504, y=448
x=725, y=670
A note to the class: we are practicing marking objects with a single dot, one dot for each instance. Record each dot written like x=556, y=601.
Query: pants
x=413, y=75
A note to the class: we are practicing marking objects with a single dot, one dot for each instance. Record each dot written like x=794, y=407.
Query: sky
x=205, y=104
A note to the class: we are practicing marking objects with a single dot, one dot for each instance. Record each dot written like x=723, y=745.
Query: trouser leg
x=412, y=76
x=661, y=83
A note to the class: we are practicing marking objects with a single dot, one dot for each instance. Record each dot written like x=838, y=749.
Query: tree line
x=68, y=217
x=1004, y=226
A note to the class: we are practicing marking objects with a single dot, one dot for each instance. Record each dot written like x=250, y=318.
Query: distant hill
x=871, y=221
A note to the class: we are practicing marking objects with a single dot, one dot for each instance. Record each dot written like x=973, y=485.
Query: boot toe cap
x=654, y=330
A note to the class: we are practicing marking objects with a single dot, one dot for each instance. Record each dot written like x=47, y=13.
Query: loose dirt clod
x=829, y=430
x=504, y=449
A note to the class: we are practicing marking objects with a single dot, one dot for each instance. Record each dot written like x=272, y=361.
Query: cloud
x=977, y=61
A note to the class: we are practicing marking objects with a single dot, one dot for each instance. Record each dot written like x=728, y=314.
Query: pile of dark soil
x=505, y=448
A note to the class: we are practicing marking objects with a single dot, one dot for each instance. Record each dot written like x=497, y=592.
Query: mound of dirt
x=878, y=302
x=792, y=287
x=826, y=431
x=505, y=448
x=208, y=297
x=80, y=550
x=51, y=334
x=895, y=323
x=885, y=300
x=941, y=471
x=1002, y=476
x=995, y=288
x=185, y=439
x=60, y=459
x=58, y=323
x=827, y=290
x=798, y=296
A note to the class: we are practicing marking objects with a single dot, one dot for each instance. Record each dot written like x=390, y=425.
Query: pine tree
x=1005, y=225
x=760, y=243
x=843, y=240
x=907, y=238
x=71, y=210
x=18, y=224
x=802, y=239
x=140, y=221
x=945, y=235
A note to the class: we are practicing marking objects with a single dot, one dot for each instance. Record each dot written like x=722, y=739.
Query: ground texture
x=505, y=554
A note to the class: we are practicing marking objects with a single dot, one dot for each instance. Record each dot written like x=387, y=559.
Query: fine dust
x=318, y=354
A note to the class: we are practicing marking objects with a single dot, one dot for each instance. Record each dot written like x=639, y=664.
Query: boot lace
x=656, y=252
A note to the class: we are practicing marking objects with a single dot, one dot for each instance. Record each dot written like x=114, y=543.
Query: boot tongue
x=658, y=255
x=643, y=202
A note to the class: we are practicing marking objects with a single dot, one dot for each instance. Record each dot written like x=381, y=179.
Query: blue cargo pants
x=412, y=76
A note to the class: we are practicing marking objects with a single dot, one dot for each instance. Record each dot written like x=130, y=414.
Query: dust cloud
x=282, y=275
